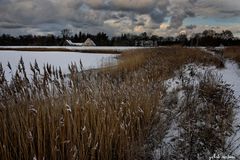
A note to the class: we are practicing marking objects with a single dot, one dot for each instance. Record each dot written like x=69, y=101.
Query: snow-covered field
x=115, y=48
x=57, y=59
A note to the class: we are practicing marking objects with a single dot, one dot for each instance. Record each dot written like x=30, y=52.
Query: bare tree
x=66, y=33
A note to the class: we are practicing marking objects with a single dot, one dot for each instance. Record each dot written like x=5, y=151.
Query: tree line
x=206, y=38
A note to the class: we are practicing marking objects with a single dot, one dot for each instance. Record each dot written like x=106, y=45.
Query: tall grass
x=84, y=116
x=116, y=113
x=206, y=119
x=162, y=62
x=232, y=53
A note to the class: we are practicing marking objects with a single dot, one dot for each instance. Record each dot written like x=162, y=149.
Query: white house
x=88, y=42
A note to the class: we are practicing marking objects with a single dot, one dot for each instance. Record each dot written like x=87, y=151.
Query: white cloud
x=139, y=29
x=164, y=26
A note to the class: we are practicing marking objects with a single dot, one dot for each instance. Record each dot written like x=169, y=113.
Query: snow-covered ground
x=57, y=59
x=115, y=48
x=189, y=74
x=104, y=48
x=230, y=75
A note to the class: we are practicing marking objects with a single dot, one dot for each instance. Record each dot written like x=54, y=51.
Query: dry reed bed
x=232, y=53
x=204, y=117
x=115, y=113
x=162, y=62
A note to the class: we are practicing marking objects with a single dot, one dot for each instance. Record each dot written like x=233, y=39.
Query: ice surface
x=118, y=48
x=57, y=59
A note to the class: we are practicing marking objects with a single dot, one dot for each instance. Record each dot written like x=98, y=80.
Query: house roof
x=89, y=42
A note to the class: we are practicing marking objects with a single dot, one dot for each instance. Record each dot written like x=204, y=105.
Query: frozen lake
x=83, y=48
x=57, y=59
x=77, y=47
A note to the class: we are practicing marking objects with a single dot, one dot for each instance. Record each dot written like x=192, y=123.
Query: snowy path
x=231, y=75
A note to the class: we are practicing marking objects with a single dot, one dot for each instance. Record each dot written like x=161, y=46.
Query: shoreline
x=52, y=49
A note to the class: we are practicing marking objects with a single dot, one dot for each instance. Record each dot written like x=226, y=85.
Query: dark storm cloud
x=156, y=9
x=51, y=15
x=231, y=13
x=191, y=27
x=177, y=19
x=193, y=1
x=158, y=15
x=180, y=11
x=11, y=25
x=138, y=6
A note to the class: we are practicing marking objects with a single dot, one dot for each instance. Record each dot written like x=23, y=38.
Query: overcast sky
x=160, y=17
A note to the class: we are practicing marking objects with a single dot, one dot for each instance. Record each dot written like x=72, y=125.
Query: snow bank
x=231, y=75
x=192, y=73
x=189, y=74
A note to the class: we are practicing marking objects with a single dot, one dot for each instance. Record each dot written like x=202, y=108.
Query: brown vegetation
x=117, y=113
x=162, y=62
x=232, y=53
x=206, y=119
